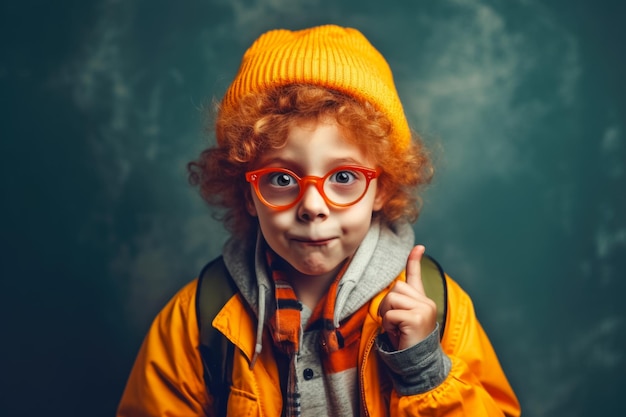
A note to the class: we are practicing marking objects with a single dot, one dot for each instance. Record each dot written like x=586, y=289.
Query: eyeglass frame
x=253, y=178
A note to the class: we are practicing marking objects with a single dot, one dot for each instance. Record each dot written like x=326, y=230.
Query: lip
x=313, y=242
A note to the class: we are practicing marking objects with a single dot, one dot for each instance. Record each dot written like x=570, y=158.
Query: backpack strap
x=435, y=286
x=215, y=288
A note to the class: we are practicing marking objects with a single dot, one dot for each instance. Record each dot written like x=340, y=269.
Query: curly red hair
x=262, y=121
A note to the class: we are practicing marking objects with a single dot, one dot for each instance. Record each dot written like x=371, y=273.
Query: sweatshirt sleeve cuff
x=417, y=369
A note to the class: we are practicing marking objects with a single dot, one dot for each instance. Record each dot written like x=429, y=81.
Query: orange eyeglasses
x=280, y=188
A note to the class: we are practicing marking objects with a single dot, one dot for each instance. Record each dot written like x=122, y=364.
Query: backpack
x=216, y=287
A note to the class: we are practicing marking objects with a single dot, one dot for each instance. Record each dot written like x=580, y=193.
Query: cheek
x=272, y=220
x=357, y=219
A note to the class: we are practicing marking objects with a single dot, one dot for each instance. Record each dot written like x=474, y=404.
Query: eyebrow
x=291, y=163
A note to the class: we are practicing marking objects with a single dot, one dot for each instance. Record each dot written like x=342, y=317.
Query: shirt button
x=308, y=373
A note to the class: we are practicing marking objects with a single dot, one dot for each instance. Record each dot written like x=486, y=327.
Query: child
x=317, y=170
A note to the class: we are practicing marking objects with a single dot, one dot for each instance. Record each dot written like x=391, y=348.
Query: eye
x=343, y=177
x=281, y=179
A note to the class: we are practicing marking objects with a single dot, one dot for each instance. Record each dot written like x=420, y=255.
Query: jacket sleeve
x=167, y=376
x=476, y=384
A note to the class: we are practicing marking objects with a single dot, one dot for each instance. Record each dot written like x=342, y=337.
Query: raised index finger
x=414, y=268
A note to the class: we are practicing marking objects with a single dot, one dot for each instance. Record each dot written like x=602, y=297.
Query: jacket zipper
x=368, y=349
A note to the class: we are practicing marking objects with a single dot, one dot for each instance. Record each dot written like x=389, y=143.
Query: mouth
x=313, y=242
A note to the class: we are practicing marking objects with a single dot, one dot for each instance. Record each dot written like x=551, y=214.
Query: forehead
x=322, y=143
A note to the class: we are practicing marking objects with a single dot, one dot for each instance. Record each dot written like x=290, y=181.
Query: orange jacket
x=167, y=378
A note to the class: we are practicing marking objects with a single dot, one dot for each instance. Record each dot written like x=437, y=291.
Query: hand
x=409, y=316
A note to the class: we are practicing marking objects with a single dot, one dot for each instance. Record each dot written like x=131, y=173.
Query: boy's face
x=313, y=236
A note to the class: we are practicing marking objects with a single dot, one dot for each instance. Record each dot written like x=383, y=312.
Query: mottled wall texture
x=103, y=102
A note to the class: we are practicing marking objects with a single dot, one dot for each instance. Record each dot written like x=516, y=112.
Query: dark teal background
x=523, y=103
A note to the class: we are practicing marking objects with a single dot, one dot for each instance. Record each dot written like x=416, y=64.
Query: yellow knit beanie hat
x=329, y=56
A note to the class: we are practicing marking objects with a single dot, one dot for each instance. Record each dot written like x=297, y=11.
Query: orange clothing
x=167, y=378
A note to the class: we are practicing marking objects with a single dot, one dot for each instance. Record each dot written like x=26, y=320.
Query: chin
x=317, y=267
x=313, y=269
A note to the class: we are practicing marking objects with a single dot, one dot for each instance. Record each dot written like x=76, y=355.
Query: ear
x=379, y=200
x=250, y=206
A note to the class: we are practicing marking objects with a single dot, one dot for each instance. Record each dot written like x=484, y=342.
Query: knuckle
x=431, y=304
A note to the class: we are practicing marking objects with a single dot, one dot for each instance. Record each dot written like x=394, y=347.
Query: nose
x=312, y=206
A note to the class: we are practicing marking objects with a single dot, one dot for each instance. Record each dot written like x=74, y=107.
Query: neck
x=310, y=289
